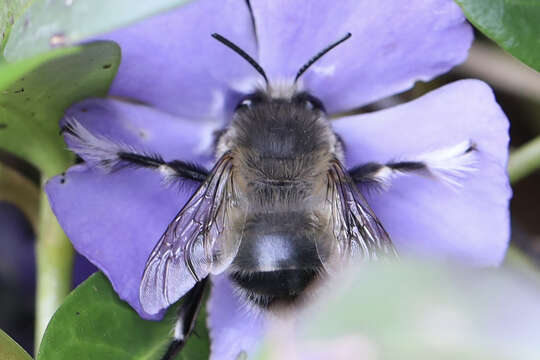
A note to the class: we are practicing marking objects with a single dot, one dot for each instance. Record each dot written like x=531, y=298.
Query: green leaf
x=419, y=311
x=9, y=12
x=10, y=350
x=49, y=24
x=93, y=323
x=34, y=94
x=513, y=24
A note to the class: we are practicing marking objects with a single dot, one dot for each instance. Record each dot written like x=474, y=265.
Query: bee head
x=278, y=136
x=293, y=114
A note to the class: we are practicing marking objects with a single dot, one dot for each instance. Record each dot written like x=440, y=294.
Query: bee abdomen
x=278, y=257
x=266, y=288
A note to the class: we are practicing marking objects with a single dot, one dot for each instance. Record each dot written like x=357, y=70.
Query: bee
x=277, y=210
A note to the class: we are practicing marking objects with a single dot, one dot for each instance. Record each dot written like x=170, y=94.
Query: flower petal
x=171, y=62
x=146, y=129
x=115, y=220
x=233, y=327
x=393, y=44
x=471, y=223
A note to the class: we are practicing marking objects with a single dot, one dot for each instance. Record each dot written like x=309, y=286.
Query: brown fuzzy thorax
x=281, y=153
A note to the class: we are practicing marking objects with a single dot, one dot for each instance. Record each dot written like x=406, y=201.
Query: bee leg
x=170, y=170
x=376, y=175
x=102, y=152
x=447, y=164
x=187, y=315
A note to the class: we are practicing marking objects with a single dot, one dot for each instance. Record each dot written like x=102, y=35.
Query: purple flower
x=185, y=86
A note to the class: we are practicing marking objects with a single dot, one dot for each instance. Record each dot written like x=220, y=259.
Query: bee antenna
x=319, y=55
x=242, y=53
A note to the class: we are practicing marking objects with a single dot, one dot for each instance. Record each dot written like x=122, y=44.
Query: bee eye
x=245, y=103
x=250, y=100
x=309, y=105
x=310, y=102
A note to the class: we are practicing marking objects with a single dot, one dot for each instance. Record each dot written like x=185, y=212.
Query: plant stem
x=54, y=256
x=524, y=160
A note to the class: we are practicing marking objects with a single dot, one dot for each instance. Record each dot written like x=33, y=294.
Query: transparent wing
x=353, y=223
x=194, y=244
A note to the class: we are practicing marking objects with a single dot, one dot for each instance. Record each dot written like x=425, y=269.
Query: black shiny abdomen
x=278, y=257
x=268, y=288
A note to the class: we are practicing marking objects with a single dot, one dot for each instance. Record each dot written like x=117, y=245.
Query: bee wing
x=193, y=245
x=354, y=225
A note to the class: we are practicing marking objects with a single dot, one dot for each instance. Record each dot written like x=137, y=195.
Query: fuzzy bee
x=276, y=211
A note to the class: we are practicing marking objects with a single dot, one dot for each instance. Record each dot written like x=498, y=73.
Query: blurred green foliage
x=49, y=24
x=10, y=10
x=417, y=310
x=512, y=24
